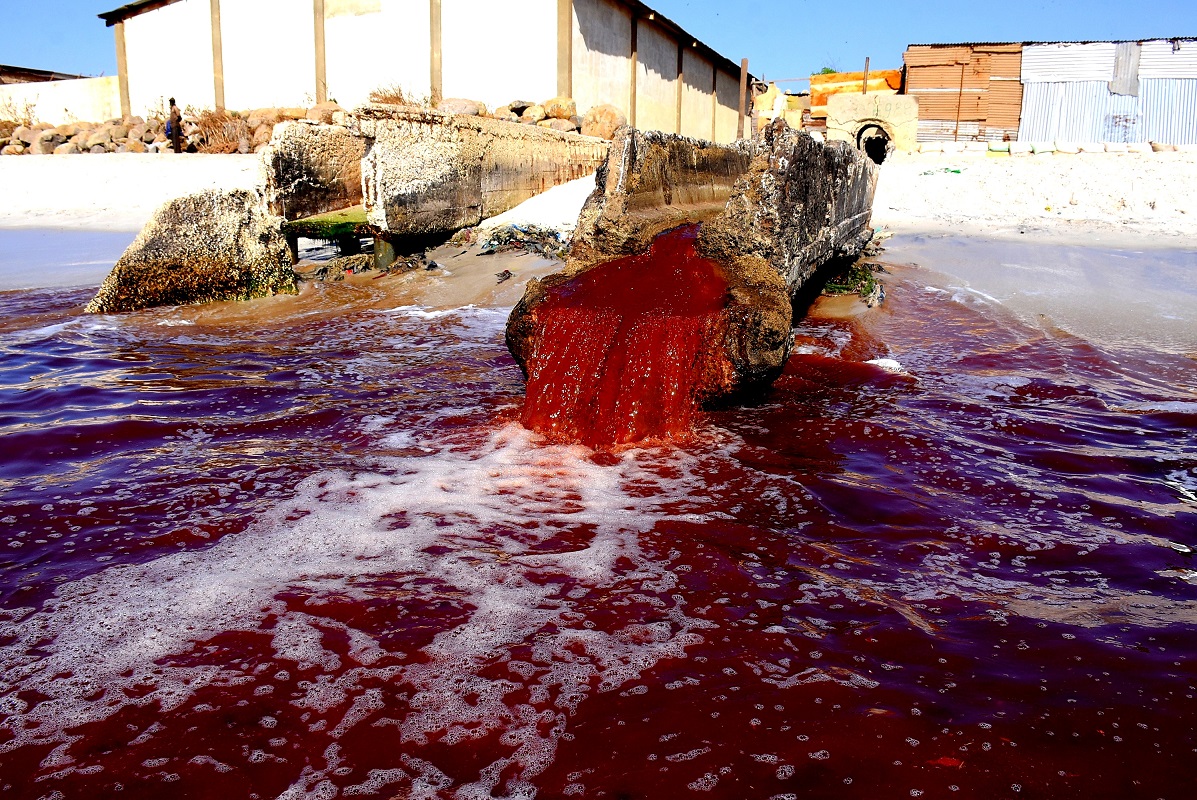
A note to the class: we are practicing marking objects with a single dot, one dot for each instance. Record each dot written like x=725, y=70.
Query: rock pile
x=130, y=135
x=224, y=132
x=558, y=113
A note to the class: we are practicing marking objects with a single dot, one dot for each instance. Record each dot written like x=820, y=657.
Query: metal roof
x=1078, y=41
x=132, y=10
x=30, y=75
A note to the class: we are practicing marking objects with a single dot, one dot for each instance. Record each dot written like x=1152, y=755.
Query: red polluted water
x=619, y=349
x=307, y=551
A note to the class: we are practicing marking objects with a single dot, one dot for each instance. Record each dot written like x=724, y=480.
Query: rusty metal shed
x=1113, y=91
x=966, y=91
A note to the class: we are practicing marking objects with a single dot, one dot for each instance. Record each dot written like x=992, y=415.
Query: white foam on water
x=889, y=365
x=424, y=312
x=474, y=518
x=172, y=323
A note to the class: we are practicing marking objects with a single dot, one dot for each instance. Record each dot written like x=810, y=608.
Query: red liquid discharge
x=619, y=349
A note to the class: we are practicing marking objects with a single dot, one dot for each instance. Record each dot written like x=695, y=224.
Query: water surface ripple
x=303, y=549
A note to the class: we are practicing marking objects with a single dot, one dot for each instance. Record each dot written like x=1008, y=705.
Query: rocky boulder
x=67, y=149
x=205, y=247
x=603, y=121
x=263, y=116
x=12, y=150
x=323, y=112
x=532, y=115
x=563, y=125
x=460, y=105
x=560, y=108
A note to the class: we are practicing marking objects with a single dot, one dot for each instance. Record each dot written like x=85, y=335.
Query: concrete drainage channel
x=772, y=211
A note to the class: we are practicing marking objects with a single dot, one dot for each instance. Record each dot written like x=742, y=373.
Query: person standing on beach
x=174, y=127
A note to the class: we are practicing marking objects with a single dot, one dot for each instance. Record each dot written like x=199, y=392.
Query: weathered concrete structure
x=246, y=54
x=312, y=169
x=429, y=172
x=856, y=118
x=203, y=248
x=790, y=205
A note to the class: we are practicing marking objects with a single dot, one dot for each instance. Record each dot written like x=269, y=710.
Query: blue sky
x=781, y=39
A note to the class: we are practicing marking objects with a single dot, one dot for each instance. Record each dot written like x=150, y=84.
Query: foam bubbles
x=479, y=540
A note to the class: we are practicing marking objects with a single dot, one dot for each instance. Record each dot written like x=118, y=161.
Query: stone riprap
x=206, y=247
x=789, y=204
x=428, y=172
x=312, y=169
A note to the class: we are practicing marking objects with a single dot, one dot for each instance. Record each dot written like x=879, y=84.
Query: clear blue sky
x=782, y=39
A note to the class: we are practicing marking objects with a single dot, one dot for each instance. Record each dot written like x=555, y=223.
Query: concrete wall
x=897, y=115
x=397, y=54
x=430, y=172
x=602, y=52
x=269, y=53
x=727, y=112
x=496, y=53
x=57, y=102
x=169, y=54
x=698, y=105
x=656, y=80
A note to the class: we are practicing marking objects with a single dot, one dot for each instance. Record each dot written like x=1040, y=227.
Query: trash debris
x=532, y=238
x=504, y=275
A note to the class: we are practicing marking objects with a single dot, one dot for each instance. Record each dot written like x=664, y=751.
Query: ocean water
x=302, y=548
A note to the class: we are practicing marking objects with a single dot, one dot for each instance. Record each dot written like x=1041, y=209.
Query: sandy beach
x=115, y=192
x=1080, y=198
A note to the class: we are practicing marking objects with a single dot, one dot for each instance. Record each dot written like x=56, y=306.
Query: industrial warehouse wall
x=498, y=52
x=621, y=54
x=269, y=53
x=602, y=55
x=602, y=73
x=656, y=80
x=1068, y=96
x=59, y=102
x=376, y=44
x=968, y=91
x=169, y=54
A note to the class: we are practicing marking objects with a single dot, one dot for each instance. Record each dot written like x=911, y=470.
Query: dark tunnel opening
x=874, y=141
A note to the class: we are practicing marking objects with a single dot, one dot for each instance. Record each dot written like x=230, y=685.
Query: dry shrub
x=16, y=114
x=388, y=95
x=221, y=132
x=393, y=95
x=7, y=126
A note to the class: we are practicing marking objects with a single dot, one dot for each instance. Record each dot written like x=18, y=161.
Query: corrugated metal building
x=966, y=91
x=1111, y=92
x=1127, y=91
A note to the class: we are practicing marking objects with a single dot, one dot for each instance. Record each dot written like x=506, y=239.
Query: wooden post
x=217, y=58
x=321, y=68
x=565, y=48
x=743, y=98
x=635, y=71
x=122, y=69
x=681, y=83
x=959, y=100
x=864, y=85
x=436, y=77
